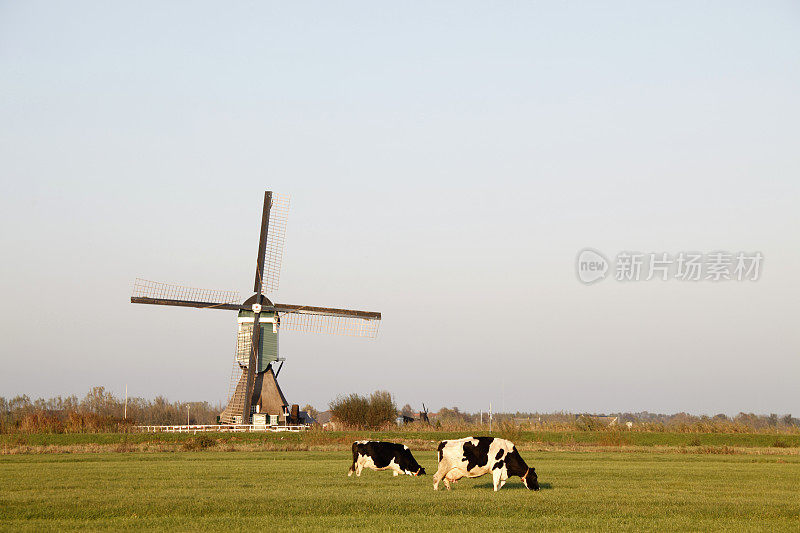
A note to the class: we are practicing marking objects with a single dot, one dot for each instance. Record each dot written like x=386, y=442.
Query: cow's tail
x=355, y=458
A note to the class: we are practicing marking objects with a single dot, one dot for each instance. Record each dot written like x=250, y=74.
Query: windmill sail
x=329, y=320
x=270, y=250
x=232, y=414
x=157, y=293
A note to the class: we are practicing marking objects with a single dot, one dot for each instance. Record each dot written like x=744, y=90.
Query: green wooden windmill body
x=268, y=322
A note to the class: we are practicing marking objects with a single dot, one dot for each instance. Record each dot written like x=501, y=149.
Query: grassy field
x=214, y=490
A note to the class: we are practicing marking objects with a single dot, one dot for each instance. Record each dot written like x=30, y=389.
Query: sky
x=446, y=163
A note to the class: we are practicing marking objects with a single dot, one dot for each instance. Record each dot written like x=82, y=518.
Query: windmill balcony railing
x=222, y=428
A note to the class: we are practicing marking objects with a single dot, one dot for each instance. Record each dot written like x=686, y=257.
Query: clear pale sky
x=446, y=163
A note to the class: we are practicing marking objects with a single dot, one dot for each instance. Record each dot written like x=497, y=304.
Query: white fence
x=221, y=428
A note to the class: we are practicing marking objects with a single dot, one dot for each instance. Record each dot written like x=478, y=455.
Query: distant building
x=306, y=418
x=324, y=419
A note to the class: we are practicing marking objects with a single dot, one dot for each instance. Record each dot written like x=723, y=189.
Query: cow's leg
x=496, y=474
x=359, y=468
x=440, y=473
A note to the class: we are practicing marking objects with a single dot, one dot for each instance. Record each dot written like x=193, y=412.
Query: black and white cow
x=384, y=456
x=476, y=456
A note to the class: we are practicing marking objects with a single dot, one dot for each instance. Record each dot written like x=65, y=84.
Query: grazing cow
x=476, y=456
x=382, y=456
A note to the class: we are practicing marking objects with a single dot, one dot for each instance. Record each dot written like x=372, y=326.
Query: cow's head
x=420, y=472
x=530, y=479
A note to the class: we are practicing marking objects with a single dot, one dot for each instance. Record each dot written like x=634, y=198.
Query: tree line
x=98, y=411
x=453, y=417
x=101, y=411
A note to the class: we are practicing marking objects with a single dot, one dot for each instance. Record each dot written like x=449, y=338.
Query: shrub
x=200, y=442
x=361, y=412
x=382, y=409
x=350, y=410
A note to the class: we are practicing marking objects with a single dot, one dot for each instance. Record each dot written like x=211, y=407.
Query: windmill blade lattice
x=276, y=237
x=330, y=324
x=232, y=414
x=237, y=390
x=154, y=292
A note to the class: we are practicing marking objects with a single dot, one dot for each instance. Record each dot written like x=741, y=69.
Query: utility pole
x=490, y=417
x=188, y=406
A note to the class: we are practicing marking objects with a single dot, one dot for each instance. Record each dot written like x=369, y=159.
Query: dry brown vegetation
x=102, y=412
x=452, y=419
x=98, y=411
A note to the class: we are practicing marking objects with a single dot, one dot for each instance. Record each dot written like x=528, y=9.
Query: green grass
x=602, y=438
x=215, y=490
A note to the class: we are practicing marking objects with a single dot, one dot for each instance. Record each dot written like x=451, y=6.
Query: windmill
x=256, y=362
x=424, y=414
